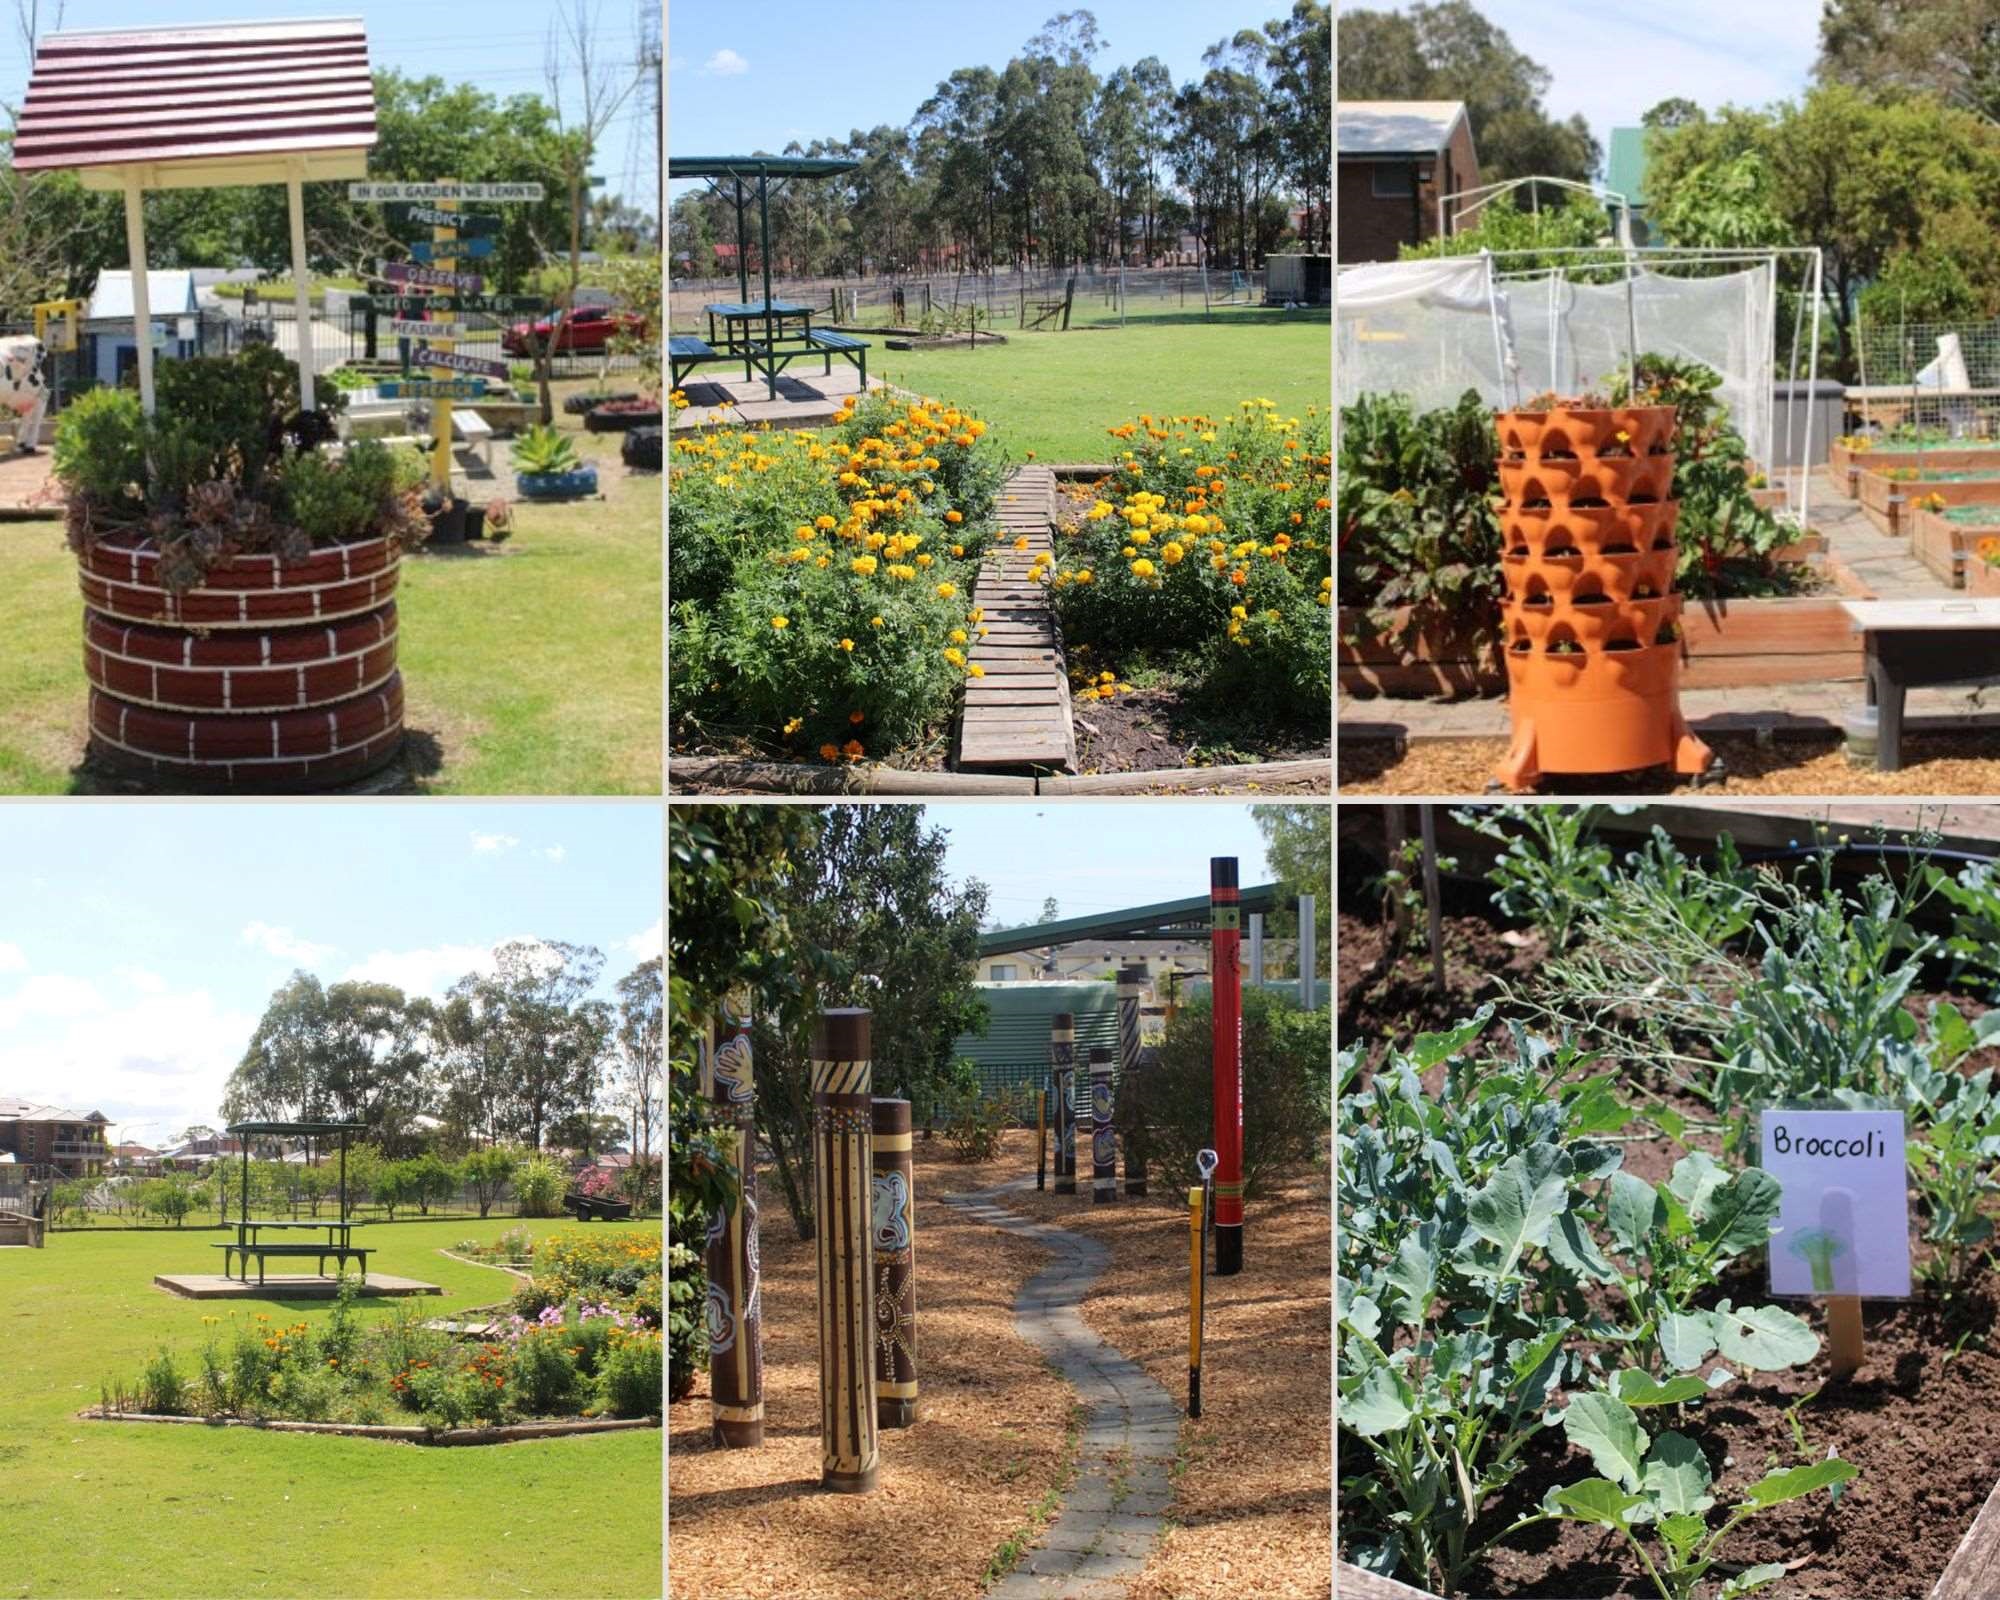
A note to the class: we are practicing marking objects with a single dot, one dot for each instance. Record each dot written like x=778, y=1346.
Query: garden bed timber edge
x=513, y=1433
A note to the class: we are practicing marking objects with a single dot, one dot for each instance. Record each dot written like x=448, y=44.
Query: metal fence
x=1004, y=301
x=1934, y=377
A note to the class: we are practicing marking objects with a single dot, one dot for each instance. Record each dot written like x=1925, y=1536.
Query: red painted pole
x=1225, y=972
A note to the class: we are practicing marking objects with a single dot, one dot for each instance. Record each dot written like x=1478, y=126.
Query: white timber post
x=295, y=196
x=142, y=301
x=1308, y=956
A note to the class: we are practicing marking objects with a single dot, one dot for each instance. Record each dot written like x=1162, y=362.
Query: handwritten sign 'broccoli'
x=1843, y=1225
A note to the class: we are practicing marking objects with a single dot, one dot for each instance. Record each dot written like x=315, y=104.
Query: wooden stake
x=1843, y=1331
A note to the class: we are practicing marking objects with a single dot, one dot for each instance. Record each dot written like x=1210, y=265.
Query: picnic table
x=336, y=1242
x=767, y=336
x=1916, y=644
x=772, y=317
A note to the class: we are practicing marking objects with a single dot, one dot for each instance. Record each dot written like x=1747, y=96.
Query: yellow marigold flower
x=874, y=622
x=954, y=516
x=976, y=428
x=976, y=670
x=927, y=486
x=875, y=541
x=1129, y=551
x=976, y=614
x=822, y=562
x=1021, y=543
x=955, y=657
x=1143, y=567
x=1195, y=524
x=823, y=523
x=1107, y=677
x=958, y=549
x=793, y=726
x=956, y=636
x=864, y=566
x=781, y=622
x=901, y=573
x=802, y=532
x=847, y=644
x=1238, y=611
x=946, y=590
x=1083, y=575
x=1171, y=552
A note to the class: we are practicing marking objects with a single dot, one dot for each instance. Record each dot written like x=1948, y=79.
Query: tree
x=1298, y=842
x=869, y=893
x=1051, y=910
x=642, y=1061
x=1946, y=48
x=1447, y=51
x=429, y=1178
x=486, y=1173
x=537, y=1039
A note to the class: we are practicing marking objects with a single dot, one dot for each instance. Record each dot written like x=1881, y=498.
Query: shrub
x=629, y=1382
x=335, y=502
x=687, y=1312
x=163, y=1391
x=545, y=449
x=974, y=1121
x=539, y=1183
x=544, y=1372
x=100, y=446
x=1287, y=1091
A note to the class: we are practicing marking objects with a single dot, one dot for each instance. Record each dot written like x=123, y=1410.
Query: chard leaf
x=1686, y=1339
x=1764, y=1338
x=1793, y=1483
x=1677, y=1476
x=1640, y=1388
x=1606, y=1427
x=1514, y=1211
x=1380, y=1403
x=1594, y=1500
x=1634, y=1211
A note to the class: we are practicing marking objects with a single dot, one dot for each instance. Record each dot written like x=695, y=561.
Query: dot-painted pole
x=1041, y=1138
x=843, y=1125
x=1195, y=1263
x=1062, y=1078
x=1131, y=1076
x=895, y=1244
x=1103, y=1137
x=1225, y=972
x=735, y=1303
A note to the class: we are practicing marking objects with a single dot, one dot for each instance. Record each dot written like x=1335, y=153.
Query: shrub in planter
x=578, y=405
x=546, y=466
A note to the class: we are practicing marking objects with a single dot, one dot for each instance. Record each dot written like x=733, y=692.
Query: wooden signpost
x=454, y=237
x=412, y=328
x=431, y=388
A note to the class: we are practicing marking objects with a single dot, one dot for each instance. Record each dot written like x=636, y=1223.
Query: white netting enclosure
x=1433, y=329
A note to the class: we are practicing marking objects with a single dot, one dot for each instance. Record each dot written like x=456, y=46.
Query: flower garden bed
x=1891, y=499
x=1654, y=1098
x=582, y=1343
x=1848, y=458
x=1944, y=538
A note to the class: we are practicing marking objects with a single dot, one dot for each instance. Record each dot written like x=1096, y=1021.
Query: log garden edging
x=792, y=777
x=513, y=1434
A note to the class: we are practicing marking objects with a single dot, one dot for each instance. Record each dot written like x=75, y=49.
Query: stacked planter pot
x=269, y=675
x=1589, y=619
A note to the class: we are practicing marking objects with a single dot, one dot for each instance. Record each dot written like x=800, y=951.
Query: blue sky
x=1613, y=62
x=496, y=44
x=1095, y=855
x=744, y=78
x=139, y=943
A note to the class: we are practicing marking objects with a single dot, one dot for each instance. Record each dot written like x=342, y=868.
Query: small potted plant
x=547, y=467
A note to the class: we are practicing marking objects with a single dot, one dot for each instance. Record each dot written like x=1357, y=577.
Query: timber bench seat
x=685, y=352
x=1915, y=644
x=475, y=433
x=340, y=1253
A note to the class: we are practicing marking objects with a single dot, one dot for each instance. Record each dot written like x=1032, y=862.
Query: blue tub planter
x=557, y=485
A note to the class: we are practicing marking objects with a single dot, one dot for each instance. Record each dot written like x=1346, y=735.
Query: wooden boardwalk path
x=1018, y=714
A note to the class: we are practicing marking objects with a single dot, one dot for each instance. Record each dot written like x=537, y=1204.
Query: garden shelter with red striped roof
x=132, y=109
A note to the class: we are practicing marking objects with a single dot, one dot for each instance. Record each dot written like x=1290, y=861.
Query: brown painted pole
x=735, y=1298
x=1225, y=976
x=1062, y=1074
x=1131, y=1096
x=895, y=1242
x=1041, y=1138
x=842, y=1138
x=1103, y=1137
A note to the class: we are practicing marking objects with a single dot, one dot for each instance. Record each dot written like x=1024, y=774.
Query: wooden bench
x=340, y=1252
x=475, y=433
x=685, y=352
x=1918, y=644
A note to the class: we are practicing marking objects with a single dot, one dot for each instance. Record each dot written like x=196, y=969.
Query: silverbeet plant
x=1665, y=1483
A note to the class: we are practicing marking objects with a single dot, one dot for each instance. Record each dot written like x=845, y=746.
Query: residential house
x=1396, y=158
x=70, y=1142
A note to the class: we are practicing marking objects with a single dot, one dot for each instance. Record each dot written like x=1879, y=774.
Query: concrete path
x=1886, y=565
x=1100, y=1536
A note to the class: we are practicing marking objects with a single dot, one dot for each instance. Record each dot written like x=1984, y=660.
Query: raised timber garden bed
x=1944, y=540
x=1844, y=463
x=1888, y=502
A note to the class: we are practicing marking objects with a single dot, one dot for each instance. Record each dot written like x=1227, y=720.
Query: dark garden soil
x=1921, y=1420
x=1151, y=730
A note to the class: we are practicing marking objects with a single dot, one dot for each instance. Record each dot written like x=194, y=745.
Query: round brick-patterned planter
x=283, y=669
x=120, y=578
x=269, y=675
x=290, y=749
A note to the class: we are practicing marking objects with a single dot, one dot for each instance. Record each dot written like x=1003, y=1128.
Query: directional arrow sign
x=496, y=304
x=465, y=221
x=452, y=361
x=431, y=388
x=403, y=329
x=450, y=249
x=492, y=193
x=438, y=277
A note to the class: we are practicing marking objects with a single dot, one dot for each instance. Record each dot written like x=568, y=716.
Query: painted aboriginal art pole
x=895, y=1243
x=843, y=1127
x=1131, y=1077
x=735, y=1300
x=1062, y=1076
x=1225, y=971
x=1103, y=1137
x=1041, y=1138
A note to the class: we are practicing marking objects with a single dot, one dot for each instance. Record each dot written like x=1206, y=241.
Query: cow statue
x=23, y=389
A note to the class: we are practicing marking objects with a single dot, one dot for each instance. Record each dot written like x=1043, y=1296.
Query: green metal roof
x=1169, y=919
x=1625, y=167
x=751, y=166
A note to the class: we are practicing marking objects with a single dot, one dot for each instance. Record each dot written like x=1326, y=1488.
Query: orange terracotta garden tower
x=1590, y=621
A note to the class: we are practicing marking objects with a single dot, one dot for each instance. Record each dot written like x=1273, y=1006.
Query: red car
x=587, y=329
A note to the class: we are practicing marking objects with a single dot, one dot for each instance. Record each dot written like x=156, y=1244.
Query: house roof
x=170, y=292
x=33, y=1111
x=190, y=107
x=1384, y=128
x=1625, y=167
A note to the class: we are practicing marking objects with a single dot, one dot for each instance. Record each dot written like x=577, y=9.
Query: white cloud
x=675, y=63
x=432, y=970
x=493, y=843
x=285, y=944
x=554, y=852
x=647, y=943
x=49, y=994
x=725, y=64
x=12, y=957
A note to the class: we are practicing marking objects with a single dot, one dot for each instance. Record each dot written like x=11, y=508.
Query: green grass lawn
x=1056, y=393
x=535, y=670
x=142, y=1510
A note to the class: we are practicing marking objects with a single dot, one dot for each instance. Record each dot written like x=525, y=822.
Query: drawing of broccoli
x=1817, y=1247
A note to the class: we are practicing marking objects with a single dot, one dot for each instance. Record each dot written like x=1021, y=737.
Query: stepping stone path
x=1018, y=714
x=1111, y=1515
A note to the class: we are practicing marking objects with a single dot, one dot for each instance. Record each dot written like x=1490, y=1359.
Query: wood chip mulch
x=1941, y=764
x=990, y=1442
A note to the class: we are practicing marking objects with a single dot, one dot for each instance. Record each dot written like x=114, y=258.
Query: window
x=1003, y=972
x=1392, y=180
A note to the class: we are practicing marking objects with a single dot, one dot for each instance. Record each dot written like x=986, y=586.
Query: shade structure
x=757, y=171
x=297, y=1130
x=132, y=109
